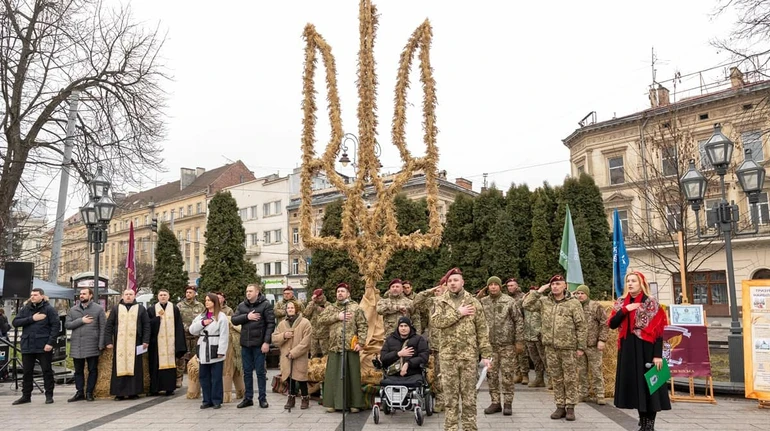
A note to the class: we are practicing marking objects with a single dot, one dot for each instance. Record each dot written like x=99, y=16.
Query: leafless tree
x=50, y=50
x=748, y=42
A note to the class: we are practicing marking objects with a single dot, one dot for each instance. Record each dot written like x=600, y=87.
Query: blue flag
x=619, y=255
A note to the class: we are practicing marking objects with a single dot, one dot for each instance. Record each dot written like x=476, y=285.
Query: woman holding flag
x=640, y=321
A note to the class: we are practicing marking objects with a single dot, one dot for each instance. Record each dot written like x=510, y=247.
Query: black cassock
x=164, y=380
x=127, y=386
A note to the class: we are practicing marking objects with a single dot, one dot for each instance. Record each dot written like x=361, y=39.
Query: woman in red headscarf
x=640, y=322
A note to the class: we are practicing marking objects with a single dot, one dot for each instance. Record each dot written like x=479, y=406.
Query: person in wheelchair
x=404, y=355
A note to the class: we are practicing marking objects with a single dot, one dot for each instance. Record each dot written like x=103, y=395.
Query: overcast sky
x=512, y=80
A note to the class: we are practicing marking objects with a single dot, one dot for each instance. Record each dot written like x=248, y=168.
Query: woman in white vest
x=212, y=327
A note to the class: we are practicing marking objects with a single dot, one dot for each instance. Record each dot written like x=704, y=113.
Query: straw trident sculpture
x=369, y=236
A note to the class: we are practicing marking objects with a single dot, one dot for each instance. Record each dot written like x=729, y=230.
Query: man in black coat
x=405, y=350
x=255, y=315
x=41, y=327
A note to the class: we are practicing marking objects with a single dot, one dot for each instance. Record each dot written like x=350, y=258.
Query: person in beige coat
x=292, y=336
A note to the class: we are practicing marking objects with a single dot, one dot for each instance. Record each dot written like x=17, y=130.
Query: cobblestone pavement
x=532, y=408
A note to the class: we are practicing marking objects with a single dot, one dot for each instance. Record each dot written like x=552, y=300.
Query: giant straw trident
x=369, y=236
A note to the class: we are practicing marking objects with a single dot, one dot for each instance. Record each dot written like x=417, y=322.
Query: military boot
x=559, y=413
x=493, y=408
x=507, y=410
x=290, y=403
x=570, y=415
x=517, y=379
x=539, y=382
x=525, y=379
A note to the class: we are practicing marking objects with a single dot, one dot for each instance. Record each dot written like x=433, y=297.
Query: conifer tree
x=169, y=265
x=519, y=208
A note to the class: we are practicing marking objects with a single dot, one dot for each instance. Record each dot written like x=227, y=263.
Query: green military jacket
x=189, y=310
x=313, y=313
x=596, y=323
x=356, y=327
x=504, y=319
x=462, y=337
x=563, y=322
x=532, y=325
x=389, y=308
x=424, y=303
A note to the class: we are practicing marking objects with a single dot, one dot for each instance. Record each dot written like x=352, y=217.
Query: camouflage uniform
x=280, y=310
x=463, y=338
x=564, y=332
x=535, y=346
x=522, y=359
x=189, y=310
x=319, y=334
x=591, y=362
x=506, y=332
x=424, y=302
x=389, y=308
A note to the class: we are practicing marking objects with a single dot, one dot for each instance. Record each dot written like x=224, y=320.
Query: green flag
x=569, y=258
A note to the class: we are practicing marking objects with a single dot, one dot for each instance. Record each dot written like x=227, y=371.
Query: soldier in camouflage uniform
x=189, y=309
x=464, y=335
x=280, y=307
x=506, y=335
x=522, y=358
x=319, y=335
x=425, y=302
x=564, y=338
x=591, y=362
x=394, y=306
x=535, y=348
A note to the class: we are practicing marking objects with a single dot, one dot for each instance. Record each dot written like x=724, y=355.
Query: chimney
x=736, y=78
x=199, y=171
x=663, y=99
x=653, y=98
x=462, y=182
x=186, y=177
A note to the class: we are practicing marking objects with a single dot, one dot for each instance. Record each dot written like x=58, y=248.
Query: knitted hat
x=583, y=288
x=495, y=280
x=394, y=281
x=318, y=293
x=404, y=319
x=344, y=285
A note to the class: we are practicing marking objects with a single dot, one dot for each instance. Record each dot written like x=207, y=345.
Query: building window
x=617, y=173
x=711, y=216
x=623, y=216
x=277, y=207
x=197, y=264
x=278, y=268
x=165, y=215
x=187, y=235
x=253, y=212
x=763, y=211
x=266, y=237
x=254, y=238
x=295, y=266
x=581, y=170
x=704, y=159
x=266, y=269
x=187, y=264
x=146, y=220
x=189, y=209
x=244, y=214
x=704, y=287
x=181, y=212
x=295, y=235
x=277, y=236
x=198, y=208
x=673, y=217
x=753, y=141
x=669, y=164
x=197, y=234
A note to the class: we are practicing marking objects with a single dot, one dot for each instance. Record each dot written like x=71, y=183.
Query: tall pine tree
x=543, y=255
x=460, y=246
x=169, y=265
x=519, y=207
x=225, y=268
x=331, y=267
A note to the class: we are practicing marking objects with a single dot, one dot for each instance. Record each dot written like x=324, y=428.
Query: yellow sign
x=756, y=338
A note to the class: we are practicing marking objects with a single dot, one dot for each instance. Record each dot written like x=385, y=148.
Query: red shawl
x=649, y=319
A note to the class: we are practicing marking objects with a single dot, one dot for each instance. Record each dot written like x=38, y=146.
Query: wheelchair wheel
x=429, y=402
x=418, y=416
x=385, y=408
x=376, y=414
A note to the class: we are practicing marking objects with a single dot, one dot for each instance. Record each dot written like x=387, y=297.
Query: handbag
x=280, y=386
x=213, y=350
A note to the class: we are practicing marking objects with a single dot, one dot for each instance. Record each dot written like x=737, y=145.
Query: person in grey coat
x=86, y=320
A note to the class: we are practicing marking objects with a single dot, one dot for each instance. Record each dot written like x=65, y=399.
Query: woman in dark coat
x=406, y=350
x=163, y=376
x=640, y=322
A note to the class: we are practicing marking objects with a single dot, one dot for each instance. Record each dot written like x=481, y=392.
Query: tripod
x=15, y=360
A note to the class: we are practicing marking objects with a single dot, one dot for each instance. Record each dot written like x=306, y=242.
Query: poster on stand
x=756, y=338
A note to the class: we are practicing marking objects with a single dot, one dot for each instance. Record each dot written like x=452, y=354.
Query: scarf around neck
x=649, y=319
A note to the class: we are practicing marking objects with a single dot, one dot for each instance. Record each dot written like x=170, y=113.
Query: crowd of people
x=562, y=333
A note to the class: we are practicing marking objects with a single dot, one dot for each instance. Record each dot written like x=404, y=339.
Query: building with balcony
x=637, y=161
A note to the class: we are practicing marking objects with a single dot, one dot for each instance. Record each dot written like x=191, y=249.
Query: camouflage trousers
x=318, y=346
x=181, y=363
x=522, y=362
x=437, y=391
x=590, y=370
x=536, y=351
x=503, y=362
x=562, y=370
x=458, y=378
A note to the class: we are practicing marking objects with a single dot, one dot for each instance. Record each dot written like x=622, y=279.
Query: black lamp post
x=751, y=176
x=97, y=214
x=344, y=160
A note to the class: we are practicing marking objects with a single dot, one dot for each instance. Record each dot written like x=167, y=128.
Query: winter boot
x=507, y=410
x=539, y=382
x=525, y=378
x=559, y=413
x=570, y=414
x=290, y=402
x=305, y=403
x=650, y=425
x=517, y=379
x=493, y=408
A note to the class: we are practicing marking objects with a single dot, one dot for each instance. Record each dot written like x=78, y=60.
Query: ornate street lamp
x=352, y=139
x=97, y=214
x=751, y=176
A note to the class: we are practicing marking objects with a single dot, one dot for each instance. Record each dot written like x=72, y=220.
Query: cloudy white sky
x=512, y=80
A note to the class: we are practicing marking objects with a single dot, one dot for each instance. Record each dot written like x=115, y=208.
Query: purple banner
x=686, y=348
